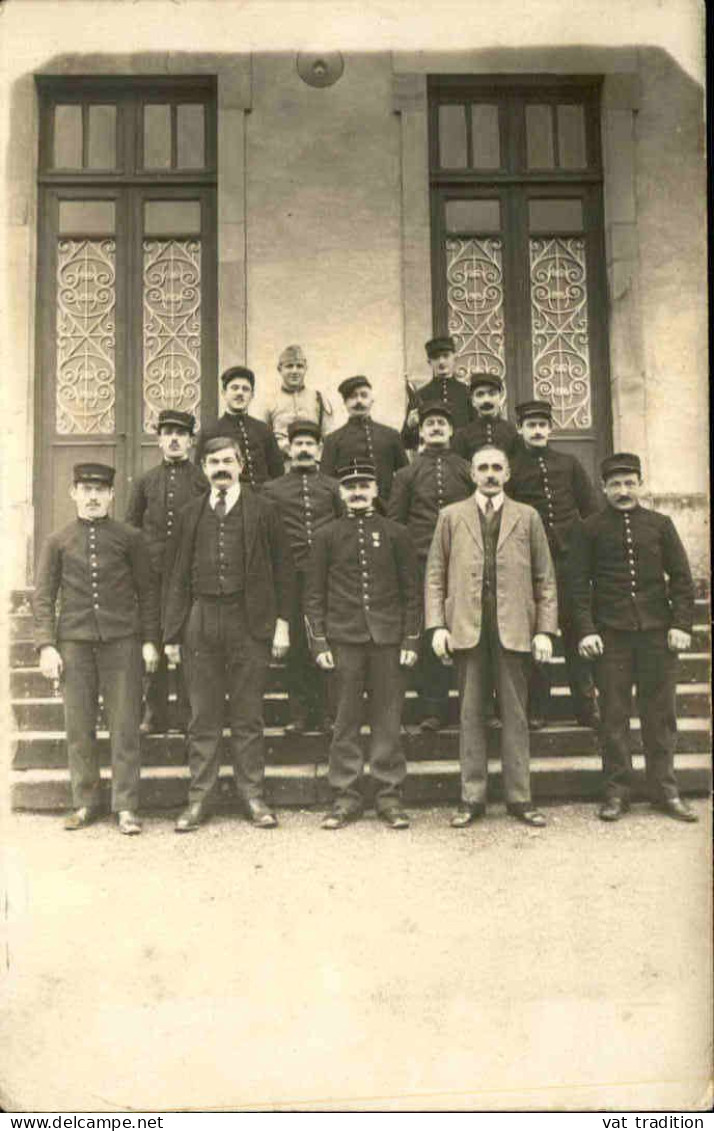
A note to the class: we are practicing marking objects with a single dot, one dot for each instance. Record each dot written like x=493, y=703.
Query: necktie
x=489, y=512
x=220, y=507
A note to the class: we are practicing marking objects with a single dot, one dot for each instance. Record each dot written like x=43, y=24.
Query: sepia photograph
x=355, y=674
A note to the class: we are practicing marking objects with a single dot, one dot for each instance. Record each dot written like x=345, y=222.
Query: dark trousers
x=432, y=678
x=114, y=669
x=307, y=686
x=221, y=657
x=643, y=659
x=374, y=667
x=482, y=670
x=157, y=687
x=578, y=672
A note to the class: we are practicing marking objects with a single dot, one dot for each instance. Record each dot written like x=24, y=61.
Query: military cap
x=303, y=428
x=348, y=386
x=476, y=380
x=620, y=461
x=174, y=416
x=94, y=473
x=356, y=469
x=291, y=353
x=528, y=409
x=435, y=408
x=439, y=345
x=238, y=371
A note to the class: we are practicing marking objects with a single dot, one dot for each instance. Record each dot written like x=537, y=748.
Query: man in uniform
x=361, y=438
x=100, y=572
x=444, y=387
x=434, y=478
x=487, y=425
x=307, y=500
x=491, y=603
x=633, y=606
x=262, y=458
x=228, y=602
x=363, y=613
x=557, y=485
x=156, y=499
x=295, y=401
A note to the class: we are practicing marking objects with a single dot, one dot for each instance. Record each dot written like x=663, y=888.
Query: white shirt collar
x=481, y=501
x=232, y=496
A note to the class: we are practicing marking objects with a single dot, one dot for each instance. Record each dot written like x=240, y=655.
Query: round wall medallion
x=320, y=69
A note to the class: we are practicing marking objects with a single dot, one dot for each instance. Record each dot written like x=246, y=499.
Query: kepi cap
x=175, y=416
x=435, y=408
x=620, y=461
x=303, y=428
x=238, y=371
x=476, y=380
x=439, y=345
x=356, y=469
x=528, y=409
x=93, y=473
x=348, y=386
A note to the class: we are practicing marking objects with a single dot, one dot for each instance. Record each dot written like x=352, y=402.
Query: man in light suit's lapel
x=491, y=604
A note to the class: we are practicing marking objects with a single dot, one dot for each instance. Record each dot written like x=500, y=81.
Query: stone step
x=305, y=784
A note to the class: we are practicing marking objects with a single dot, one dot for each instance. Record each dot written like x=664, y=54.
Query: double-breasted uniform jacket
x=362, y=438
x=268, y=573
x=628, y=570
x=101, y=572
x=526, y=593
x=261, y=455
x=450, y=391
x=434, y=478
x=557, y=485
x=156, y=499
x=307, y=500
x=362, y=585
x=483, y=430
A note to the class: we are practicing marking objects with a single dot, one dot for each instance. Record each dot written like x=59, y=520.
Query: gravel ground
x=495, y=967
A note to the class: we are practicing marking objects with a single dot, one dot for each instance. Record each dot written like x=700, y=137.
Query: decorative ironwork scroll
x=172, y=327
x=559, y=329
x=474, y=289
x=86, y=301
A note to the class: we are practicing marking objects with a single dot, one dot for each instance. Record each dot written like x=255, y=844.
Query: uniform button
x=96, y=604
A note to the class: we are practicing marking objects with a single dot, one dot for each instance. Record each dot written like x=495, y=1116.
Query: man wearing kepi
x=228, y=602
x=487, y=425
x=294, y=400
x=633, y=606
x=262, y=458
x=362, y=438
x=444, y=387
x=307, y=500
x=99, y=571
x=434, y=478
x=557, y=485
x=156, y=499
x=491, y=603
x=363, y=612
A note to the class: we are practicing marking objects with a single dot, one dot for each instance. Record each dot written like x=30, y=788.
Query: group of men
x=335, y=552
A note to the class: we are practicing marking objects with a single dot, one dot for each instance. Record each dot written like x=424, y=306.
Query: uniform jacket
x=298, y=404
x=483, y=431
x=642, y=584
x=431, y=481
x=307, y=501
x=365, y=439
x=362, y=585
x=268, y=574
x=526, y=592
x=450, y=391
x=557, y=485
x=101, y=573
x=157, y=497
x=261, y=454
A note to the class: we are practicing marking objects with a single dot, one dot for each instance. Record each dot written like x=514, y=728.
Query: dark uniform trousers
x=112, y=667
x=578, y=671
x=222, y=658
x=309, y=689
x=433, y=679
x=640, y=657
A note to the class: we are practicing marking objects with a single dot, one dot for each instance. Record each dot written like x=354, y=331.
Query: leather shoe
x=613, y=808
x=528, y=815
x=466, y=814
x=129, y=823
x=536, y=722
x=192, y=818
x=259, y=814
x=394, y=817
x=675, y=807
x=430, y=724
x=80, y=818
x=589, y=716
x=339, y=816
x=297, y=725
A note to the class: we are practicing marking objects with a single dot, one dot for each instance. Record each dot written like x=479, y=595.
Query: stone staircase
x=565, y=762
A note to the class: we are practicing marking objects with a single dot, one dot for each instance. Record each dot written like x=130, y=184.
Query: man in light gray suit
x=491, y=603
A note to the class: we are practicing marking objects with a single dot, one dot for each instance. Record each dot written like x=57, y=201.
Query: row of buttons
x=630, y=554
x=94, y=564
x=247, y=452
x=364, y=563
x=547, y=491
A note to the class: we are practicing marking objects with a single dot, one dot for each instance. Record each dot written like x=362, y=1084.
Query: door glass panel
x=555, y=215
x=485, y=139
x=157, y=136
x=473, y=215
x=67, y=150
x=172, y=218
x=171, y=327
x=452, y=137
x=190, y=136
x=86, y=217
x=102, y=144
x=474, y=288
x=539, y=137
x=571, y=137
x=559, y=329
